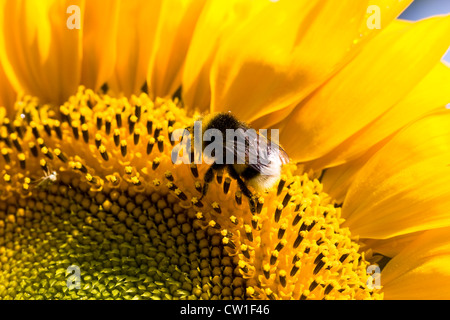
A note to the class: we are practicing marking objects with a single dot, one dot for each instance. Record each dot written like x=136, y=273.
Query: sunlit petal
x=389, y=67
x=134, y=44
x=421, y=270
x=337, y=180
x=99, y=42
x=256, y=81
x=431, y=93
x=392, y=246
x=39, y=53
x=7, y=94
x=176, y=25
x=219, y=19
x=403, y=188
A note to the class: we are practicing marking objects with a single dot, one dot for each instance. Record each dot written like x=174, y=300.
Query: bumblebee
x=249, y=157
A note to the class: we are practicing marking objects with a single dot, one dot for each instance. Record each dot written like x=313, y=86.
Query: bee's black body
x=242, y=173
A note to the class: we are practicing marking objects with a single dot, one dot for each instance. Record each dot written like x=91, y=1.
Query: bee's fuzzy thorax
x=221, y=121
x=261, y=175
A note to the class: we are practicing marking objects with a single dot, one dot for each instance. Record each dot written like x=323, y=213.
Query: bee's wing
x=256, y=151
x=281, y=153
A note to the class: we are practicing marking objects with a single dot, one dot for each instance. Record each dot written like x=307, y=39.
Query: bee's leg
x=247, y=193
x=208, y=177
x=243, y=187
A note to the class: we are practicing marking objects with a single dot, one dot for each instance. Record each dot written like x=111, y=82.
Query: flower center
x=91, y=206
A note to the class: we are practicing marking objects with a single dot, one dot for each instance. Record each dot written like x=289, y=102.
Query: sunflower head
x=95, y=187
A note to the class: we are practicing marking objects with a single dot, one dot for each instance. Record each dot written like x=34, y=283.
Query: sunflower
x=93, y=207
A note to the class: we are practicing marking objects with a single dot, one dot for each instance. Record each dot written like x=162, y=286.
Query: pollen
x=136, y=226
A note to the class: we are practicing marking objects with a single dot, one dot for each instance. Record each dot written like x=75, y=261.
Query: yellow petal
x=431, y=93
x=136, y=30
x=39, y=53
x=421, y=270
x=99, y=42
x=7, y=95
x=217, y=21
x=392, y=246
x=173, y=35
x=286, y=52
x=337, y=180
x=272, y=119
x=403, y=188
x=388, y=67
